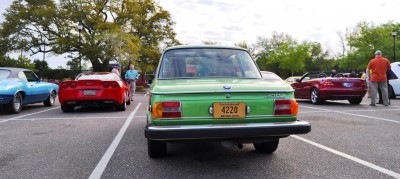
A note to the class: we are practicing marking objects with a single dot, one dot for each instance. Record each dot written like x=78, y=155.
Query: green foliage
x=21, y=62
x=120, y=30
x=364, y=39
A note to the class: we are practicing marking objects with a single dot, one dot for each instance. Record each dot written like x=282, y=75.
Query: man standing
x=116, y=69
x=377, y=69
x=131, y=76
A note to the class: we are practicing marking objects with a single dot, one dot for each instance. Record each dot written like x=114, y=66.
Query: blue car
x=20, y=87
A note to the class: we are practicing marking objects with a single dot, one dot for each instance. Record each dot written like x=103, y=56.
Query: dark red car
x=94, y=89
x=320, y=88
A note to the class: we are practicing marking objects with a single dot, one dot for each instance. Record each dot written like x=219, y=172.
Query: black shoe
x=379, y=103
x=372, y=104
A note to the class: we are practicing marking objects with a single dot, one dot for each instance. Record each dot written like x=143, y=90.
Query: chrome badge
x=227, y=87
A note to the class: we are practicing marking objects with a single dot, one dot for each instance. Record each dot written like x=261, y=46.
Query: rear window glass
x=207, y=63
x=4, y=74
x=99, y=76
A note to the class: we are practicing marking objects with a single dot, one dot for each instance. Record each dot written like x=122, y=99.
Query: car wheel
x=67, y=108
x=266, y=147
x=50, y=101
x=15, y=105
x=156, y=149
x=315, y=98
x=391, y=92
x=122, y=107
x=355, y=101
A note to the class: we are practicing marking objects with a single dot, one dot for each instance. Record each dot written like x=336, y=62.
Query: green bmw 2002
x=217, y=93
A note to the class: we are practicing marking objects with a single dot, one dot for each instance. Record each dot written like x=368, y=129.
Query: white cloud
x=231, y=21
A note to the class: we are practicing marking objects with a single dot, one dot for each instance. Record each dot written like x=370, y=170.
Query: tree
x=142, y=28
x=243, y=44
x=40, y=66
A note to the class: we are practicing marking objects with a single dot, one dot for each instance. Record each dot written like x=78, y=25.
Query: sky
x=233, y=21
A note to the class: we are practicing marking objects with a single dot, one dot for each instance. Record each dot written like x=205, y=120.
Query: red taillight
x=114, y=84
x=64, y=85
x=168, y=109
x=106, y=84
x=328, y=83
x=286, y=107
x=73, y=84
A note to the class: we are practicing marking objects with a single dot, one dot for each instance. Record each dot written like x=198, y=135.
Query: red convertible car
x=94, y=89
x=320, y=88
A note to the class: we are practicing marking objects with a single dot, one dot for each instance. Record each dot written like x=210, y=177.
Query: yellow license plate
x=229, y=110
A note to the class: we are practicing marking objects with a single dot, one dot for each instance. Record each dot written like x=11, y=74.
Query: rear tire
x=391, y=92
x=315, y=97
x=67, y=108
x=355, y=101
x=156, y=149
x=266, y=147
x=15, y=105
x=50, y=101
x=122, y=107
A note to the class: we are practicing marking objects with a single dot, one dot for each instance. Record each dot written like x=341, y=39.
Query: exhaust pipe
x=230, y=144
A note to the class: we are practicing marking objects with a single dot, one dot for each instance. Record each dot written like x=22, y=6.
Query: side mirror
x=298, y=80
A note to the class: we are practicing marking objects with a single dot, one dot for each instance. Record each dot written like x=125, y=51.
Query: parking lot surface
x=346, y=141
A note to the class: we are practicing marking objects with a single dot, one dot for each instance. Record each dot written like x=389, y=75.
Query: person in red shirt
x=377, y=68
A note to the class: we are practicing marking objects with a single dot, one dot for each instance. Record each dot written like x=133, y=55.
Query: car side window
x=21, y=75
x=30, y=76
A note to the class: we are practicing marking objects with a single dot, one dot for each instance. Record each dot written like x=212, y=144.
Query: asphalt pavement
x=346, y=141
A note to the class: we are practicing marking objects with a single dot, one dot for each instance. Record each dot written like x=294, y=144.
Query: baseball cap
x=116, y=65
x=378, y=52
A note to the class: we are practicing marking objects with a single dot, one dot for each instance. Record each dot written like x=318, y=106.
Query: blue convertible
x=19, y=87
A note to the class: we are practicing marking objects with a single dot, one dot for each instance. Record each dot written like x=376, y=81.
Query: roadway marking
x=355, y=159
x=371, y=110
x=101, y=166
x=28, y=115
x=359, y=115
x=61, y=118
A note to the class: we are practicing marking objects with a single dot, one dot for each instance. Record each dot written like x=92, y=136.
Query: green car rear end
x=236, y=110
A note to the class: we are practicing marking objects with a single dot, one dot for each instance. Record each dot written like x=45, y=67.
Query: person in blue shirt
x=131, y=76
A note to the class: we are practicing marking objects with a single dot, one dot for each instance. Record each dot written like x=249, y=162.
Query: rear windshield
x=99, y=76
x=4, y=74
x=207, y=63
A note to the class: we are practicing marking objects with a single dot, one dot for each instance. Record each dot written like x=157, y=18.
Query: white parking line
x=98, y=171
x=28, y=115
x=355, y=159
x=372, y=110
x=60, y=118
x=359, y=115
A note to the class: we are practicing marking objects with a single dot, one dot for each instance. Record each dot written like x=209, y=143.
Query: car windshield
x=98, y=76
x=4, y=74
x=207, y=63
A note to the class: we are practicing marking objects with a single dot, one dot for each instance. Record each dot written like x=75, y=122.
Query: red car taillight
x=106, y=84
x=64, y=85
x=114, y=84
x=286, y=107
x=168, y=109
x=73, y=84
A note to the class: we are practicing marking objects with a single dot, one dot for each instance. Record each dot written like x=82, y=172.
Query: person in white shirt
x=116, y=69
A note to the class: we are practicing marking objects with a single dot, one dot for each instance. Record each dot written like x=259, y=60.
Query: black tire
x=15, y=105
x=156, y=149
x=391, y=92
x=121, y=107
x=67, y=108
x=355, y=101
x=266, y=147
x=51, y=100
x=315, y=97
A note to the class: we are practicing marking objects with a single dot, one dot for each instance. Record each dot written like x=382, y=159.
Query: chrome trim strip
x=210, y=117
x=229, y=126
x=226, y=91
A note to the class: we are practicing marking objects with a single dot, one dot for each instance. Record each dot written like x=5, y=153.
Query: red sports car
x=320, y=88
x=94, y=89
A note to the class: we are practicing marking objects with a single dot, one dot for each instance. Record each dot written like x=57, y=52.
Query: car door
x=39, y=91
x=301, y=87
